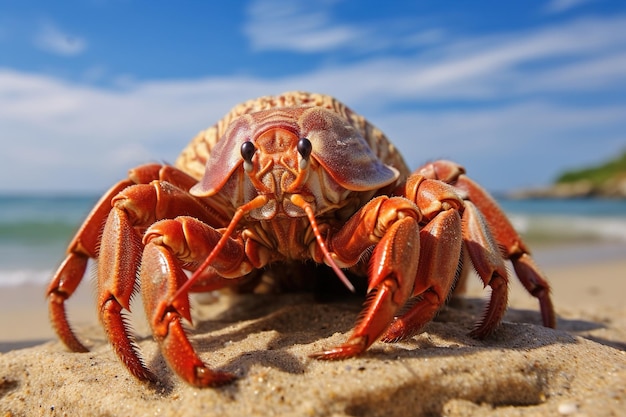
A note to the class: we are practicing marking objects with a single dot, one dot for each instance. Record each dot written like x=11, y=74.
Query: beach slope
x=523, y=370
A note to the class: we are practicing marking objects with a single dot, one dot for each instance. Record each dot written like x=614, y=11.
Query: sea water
x=35, y=230
x=545, y=220
x=34, y=233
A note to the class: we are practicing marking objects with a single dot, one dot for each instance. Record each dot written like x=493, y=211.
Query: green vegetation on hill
x=607, y=180
x=597, y=175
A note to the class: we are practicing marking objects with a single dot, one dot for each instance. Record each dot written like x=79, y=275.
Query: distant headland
x=606, y=180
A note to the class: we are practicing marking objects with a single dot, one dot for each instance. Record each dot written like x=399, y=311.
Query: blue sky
x=516, y=91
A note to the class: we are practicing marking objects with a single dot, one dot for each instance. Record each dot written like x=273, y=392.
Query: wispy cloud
x=299, y=25
x=560, y=6
x=515, y=62
x=447, y=65
x=309, y=27
x=69, y=136
x=52, y=39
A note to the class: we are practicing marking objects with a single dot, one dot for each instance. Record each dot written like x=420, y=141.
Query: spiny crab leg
x=151, y=191
x=513, y=247
x=432, y=197
x=439, y=262
x=160, y=279
x=121, y=250
x=86, y=244
x=71, y=271
x=60, y=289
x=489, y=265
x=507, y=238
x=392, y=223
x=117, y=264
x=169, y=244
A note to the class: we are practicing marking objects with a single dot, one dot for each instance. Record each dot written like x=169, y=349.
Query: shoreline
x=578, y=274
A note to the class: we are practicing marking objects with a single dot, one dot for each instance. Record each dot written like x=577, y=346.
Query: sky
x=516, y=91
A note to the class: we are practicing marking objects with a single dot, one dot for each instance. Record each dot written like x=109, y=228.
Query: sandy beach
x=579, y=369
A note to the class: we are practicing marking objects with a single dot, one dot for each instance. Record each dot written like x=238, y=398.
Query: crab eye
x=304, y=148
x=247, y=151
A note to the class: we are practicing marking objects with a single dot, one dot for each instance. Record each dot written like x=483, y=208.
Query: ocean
x=34, y=231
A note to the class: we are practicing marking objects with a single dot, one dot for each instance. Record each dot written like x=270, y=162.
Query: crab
x=297, y=177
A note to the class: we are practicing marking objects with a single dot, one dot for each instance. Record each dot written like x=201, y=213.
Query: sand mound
x=524, y=370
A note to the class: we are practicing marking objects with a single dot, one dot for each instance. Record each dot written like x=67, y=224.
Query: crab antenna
x=257, y=202
x=300, y=202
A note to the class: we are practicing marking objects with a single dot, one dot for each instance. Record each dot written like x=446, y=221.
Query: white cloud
x=52, y=39
x=63, y=136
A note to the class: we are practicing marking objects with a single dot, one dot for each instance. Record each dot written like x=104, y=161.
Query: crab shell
x=331, y=139
x=335, y=131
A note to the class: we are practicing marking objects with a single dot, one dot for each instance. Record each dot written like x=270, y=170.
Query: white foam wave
x=15, y=277
x=572, y=227
x=542, y=227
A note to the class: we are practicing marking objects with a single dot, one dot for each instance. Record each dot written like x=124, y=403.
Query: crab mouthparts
x=256, y=203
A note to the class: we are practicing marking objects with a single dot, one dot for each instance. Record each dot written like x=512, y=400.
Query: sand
x=523, y=370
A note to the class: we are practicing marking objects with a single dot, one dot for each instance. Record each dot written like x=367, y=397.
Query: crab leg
x=489, y=265
x=120, y=253
x=505, y=235
x=432, y=197
x=71, y=271
x=160, y=279
x=118, y=260
x=439, y=263
x=392, y=267
x=127, y=207
x=514, y=248
x=85, y=245
x=168, y=244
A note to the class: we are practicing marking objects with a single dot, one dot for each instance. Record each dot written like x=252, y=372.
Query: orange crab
x=294, y=177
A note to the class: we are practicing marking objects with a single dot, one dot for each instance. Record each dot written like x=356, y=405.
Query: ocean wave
x=35, y=231
x=16, y=277
x=30, y=219
x=573, y=228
